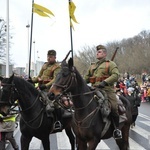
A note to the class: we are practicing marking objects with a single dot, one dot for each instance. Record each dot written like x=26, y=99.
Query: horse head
x=65, y=79
x=69, y=83
x=6, y=94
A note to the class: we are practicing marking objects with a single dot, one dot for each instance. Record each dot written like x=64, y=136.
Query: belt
x=97, y=79
x=101, y=78
x=44, y=81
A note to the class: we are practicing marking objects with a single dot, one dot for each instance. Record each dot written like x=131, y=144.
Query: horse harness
x=11, y=102
x=66, y=86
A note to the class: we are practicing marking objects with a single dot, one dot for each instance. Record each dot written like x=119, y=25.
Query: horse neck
x=82, y=96
x=27, y=95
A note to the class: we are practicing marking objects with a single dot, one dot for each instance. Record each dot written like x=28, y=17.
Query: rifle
x=114, y=54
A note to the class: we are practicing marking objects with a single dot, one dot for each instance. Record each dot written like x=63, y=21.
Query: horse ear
x=1, y=78
x=70, y=63
x=11, y=78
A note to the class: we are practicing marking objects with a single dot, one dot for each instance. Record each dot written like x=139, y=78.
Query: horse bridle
x=69, y=82
x=67, y=86
x=10, y=101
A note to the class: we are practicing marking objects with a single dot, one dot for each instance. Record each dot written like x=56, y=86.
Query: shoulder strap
x=92, y=68
x=52, y=70
x=107, y=67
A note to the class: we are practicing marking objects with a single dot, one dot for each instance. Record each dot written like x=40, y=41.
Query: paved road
x=138, y=136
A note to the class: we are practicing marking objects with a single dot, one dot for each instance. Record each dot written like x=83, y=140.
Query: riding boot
x=117, y=134
x=57, y=124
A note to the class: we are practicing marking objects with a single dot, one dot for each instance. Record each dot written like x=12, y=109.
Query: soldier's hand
x=102, y=84
x=42, y=87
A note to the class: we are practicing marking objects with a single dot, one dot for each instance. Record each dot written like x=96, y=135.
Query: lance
x=114, y=54
x=31, y=40
x=71, y=38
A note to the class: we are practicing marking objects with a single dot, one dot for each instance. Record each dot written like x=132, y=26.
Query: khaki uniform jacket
x=48, y=74
x=105, y=69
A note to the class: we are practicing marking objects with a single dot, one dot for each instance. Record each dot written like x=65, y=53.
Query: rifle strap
x=107, y=67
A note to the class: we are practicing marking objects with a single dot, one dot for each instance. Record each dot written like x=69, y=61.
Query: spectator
x=148, y=93
x=7, y=127
x=135, y=102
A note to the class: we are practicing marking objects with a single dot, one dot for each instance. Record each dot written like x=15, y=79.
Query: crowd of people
x=129, y=82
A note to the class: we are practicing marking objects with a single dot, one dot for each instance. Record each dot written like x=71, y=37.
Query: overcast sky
x=100, y=21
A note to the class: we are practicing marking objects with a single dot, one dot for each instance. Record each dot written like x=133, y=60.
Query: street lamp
x=34, y=60
x=27, y=26
x=7, y=44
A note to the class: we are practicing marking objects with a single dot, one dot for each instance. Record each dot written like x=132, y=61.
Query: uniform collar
x=51, y=63
x=101, y=61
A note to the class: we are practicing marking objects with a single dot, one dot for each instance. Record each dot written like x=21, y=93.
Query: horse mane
x=24, y=84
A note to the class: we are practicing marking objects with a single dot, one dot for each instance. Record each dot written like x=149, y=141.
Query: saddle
x=105, y=108
x=56, y=110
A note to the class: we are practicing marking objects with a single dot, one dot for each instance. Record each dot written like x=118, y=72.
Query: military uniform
x=48, y=72
x=104, y=73
x=104, y=70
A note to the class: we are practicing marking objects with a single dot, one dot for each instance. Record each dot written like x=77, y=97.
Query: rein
x=79, y=123
x=69, y=82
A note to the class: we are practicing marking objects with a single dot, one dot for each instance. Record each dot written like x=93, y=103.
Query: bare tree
x=2, y=39
x=132, y=56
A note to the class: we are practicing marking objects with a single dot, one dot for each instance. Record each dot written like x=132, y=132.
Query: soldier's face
x=100, y=54
x=51, y=58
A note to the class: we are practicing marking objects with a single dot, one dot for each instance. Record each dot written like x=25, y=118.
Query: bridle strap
x=69, y=82
x=12, y=86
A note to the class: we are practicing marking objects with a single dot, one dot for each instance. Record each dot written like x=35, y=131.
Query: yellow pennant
x=72, y=8
x=42, y=11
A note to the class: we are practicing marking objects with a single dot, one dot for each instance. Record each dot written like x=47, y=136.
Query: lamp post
x=27, y=26
x=7, y=44
x=34, y=60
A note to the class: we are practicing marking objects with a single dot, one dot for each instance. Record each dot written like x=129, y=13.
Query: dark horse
x=34, y=120
x=88, y=118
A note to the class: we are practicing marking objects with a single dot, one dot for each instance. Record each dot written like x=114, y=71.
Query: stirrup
x=117, y=134
x=57, y=125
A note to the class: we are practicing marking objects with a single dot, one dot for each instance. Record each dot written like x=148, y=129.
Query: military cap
x=51, y=52
x=98, y=47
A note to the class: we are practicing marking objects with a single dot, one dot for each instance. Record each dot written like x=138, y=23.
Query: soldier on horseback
x=45, y=79
x=103, y=74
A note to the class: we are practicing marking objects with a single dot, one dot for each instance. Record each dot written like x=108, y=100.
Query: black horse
x=88, y=118
x=34, y=120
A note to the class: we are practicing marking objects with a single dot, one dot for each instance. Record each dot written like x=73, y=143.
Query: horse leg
x=46, y=142
x=25, y=141
x=71, y=137
x=123, y=143
x=81, y=145
x=93, y=144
